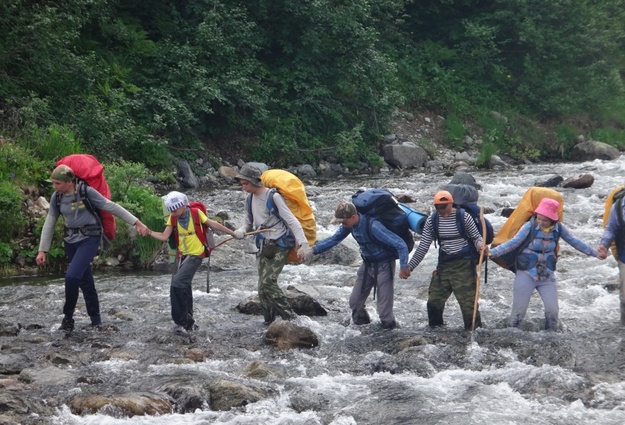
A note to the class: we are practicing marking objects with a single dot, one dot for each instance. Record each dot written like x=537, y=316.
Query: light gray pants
x=524, y=285
x=365, y=279
x=621, y=274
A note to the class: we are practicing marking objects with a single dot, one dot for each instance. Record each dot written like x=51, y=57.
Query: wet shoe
x=93, y=328
x=190, y=325
x=180, y=330
x=67, y=325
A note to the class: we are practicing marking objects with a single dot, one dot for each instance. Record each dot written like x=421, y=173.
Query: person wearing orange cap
x=456, y=269
x=536, y=264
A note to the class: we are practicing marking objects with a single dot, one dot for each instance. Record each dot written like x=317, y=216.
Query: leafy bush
x=454, y=131
x=11, y=210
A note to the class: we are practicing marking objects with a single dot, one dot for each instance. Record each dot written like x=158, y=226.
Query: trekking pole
x=247, y=234
x=208, y=274
x=479, y=269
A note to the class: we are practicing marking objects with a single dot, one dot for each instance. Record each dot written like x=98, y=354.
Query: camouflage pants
x=272, y=299
x=457, y=276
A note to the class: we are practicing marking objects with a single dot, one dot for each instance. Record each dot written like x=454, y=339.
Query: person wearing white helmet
x=191, y=252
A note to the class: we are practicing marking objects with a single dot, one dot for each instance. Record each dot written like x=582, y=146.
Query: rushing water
x=365, y=375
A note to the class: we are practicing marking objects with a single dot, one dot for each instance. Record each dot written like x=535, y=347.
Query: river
x=357, y=374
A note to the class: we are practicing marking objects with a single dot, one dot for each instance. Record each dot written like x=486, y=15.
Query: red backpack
x=203, y=232
x=88, y=170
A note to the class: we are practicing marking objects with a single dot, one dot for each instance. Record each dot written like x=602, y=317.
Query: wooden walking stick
x=479, y=268
x=247, y=234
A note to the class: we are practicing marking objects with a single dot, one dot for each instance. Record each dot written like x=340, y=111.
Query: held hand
x=304, y=251
x=239, y=234
x=404, y=273
x=603, y=252
x=142, y=229
x=41, y=258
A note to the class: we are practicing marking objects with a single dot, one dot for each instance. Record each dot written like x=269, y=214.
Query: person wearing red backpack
x=82, y=236
x=191, y=251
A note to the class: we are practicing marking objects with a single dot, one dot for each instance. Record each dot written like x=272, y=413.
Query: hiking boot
x=67, y=325
x=390, y=326
x=180, y=330
x=94, y=328
x=190, y=324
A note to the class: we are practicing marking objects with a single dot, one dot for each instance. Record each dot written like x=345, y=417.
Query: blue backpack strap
x=271, y=204
x=460, y=212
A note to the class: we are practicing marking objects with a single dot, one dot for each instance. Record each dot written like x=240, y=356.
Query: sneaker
x=67, y=325
x=180, y=330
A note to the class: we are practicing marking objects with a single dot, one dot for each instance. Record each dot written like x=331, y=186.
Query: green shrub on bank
x=11, y=210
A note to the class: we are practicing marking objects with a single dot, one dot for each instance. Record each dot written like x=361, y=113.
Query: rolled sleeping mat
x=416, y=219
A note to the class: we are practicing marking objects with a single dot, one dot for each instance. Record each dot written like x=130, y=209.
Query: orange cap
x=443, y=197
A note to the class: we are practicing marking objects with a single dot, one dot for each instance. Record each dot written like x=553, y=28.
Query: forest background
x=286, y=82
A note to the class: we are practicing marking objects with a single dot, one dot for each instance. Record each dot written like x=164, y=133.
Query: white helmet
x=175, y=200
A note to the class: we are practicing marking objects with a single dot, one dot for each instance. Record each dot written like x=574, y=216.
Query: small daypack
x=203, y=232
x=616, y=198
x=523, y=212
x=381, y=204
x=291, y=188
x=89, y=171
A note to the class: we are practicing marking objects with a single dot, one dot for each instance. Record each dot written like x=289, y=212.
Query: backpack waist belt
x=87, y=230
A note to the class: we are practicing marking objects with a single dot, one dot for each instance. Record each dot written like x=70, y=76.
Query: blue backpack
x=382, y=205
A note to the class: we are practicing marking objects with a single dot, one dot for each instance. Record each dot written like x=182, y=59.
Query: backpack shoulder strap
x=200, y=228
x=81, y=187
x=435, y=227
x=619, y=214
x=271, y=204
x=460, y=214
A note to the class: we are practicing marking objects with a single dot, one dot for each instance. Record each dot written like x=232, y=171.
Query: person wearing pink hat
x=536, y=263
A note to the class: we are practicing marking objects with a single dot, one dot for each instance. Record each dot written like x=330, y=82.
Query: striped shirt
x=449, y=237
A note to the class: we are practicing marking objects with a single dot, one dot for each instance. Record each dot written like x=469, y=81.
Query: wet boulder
x=187, y=393
x=581, y=182
x=9, y=329
x=286, y=335
x=225, y=395
x=14, y=363
x=301, y=303
x=121, y=405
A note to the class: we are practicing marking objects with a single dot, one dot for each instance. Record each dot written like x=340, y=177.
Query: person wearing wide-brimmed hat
x=82, y=238
x=536, y=264
x=456, y=269
x=273, y=247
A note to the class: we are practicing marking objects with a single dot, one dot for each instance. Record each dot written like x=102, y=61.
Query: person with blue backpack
x=267, y=209
x=379, y=248
x=459, y=246
x=535, y=264
x=615, y=233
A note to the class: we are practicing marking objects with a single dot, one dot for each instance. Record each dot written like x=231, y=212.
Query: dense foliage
x=303, y=79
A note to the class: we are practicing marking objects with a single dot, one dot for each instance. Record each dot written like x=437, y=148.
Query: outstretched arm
x=161, y=236
x=215, y=225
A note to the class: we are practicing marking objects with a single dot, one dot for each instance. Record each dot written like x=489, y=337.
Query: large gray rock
x=188, y=179
x=592, y=149
x=405, y=155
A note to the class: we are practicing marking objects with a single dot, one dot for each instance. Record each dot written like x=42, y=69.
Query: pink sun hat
x=548, y=208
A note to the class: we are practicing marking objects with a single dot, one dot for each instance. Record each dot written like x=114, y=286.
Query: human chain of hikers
x=279, y=218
